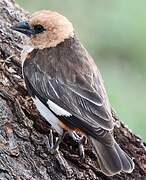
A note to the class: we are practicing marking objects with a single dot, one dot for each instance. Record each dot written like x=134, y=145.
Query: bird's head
x=45, y=29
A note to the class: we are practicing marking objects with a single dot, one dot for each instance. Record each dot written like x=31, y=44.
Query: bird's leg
x=79, y=140
x=53, y=143
x=53, y=148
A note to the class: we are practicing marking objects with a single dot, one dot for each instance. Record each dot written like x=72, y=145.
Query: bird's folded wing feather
x=83, y=102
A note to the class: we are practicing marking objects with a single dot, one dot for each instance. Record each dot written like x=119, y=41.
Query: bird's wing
x=85, y=101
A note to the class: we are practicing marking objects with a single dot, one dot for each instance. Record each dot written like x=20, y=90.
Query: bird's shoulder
x=69, y=62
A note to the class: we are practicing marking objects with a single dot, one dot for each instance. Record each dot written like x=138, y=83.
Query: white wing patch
x=57, y=109
x=48, y=115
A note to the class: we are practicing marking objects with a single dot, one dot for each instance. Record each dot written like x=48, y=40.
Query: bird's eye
x=38, y=29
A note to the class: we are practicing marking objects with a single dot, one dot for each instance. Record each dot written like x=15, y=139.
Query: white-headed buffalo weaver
x=67, y=87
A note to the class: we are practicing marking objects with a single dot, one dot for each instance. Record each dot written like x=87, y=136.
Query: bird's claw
x=79, y=140
x=53, y=143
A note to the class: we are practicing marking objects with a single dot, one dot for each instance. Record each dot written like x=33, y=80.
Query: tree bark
x=24, y=133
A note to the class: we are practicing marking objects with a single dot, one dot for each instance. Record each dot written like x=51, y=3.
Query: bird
x=67, y=87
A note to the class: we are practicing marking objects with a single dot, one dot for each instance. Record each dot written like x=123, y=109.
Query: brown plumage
x=60, y=73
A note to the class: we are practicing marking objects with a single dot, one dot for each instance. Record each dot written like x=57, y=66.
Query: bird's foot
x=53, y=148
x=53, y=143
x=79, y=140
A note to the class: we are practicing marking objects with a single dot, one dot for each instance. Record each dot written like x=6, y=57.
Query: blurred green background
x=114, y=32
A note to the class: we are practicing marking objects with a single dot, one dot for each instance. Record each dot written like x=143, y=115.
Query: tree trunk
x=24, y=133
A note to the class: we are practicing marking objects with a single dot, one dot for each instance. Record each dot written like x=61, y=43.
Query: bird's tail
x=112, y=159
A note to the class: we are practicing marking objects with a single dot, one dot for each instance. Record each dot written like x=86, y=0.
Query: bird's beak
x=24, y=28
